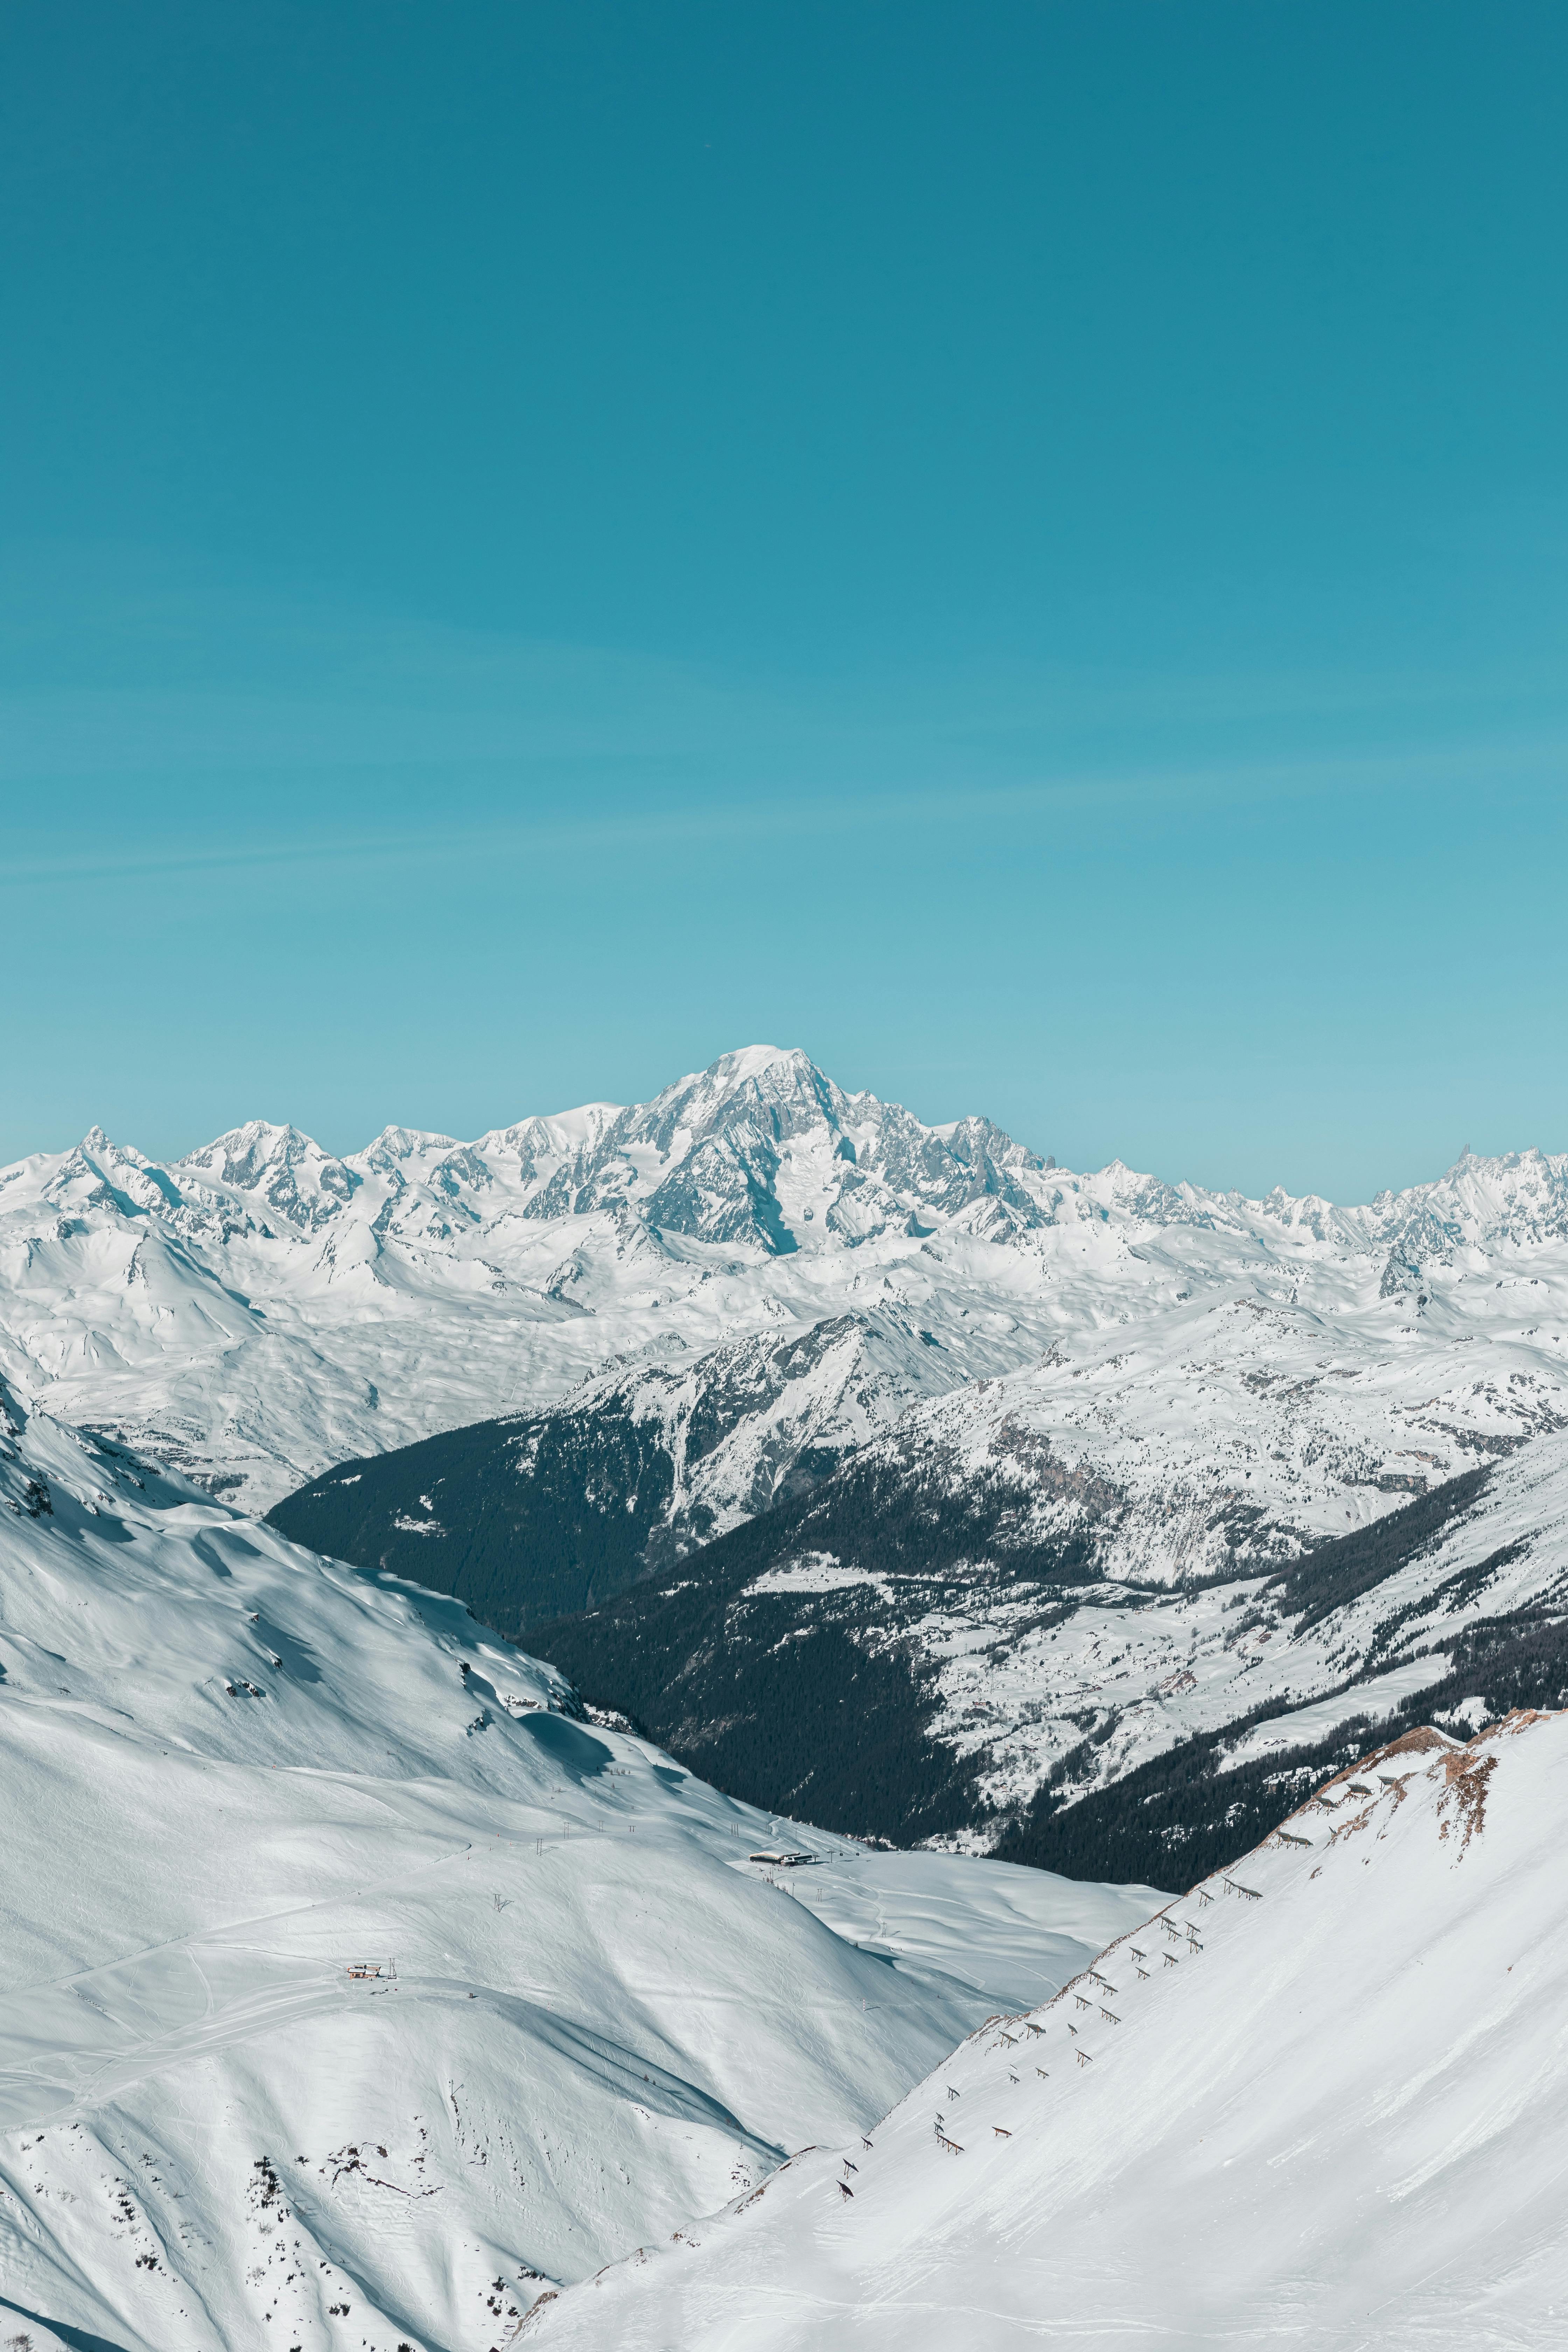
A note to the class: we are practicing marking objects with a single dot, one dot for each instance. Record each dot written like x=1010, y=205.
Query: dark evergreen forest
x=517, y=1547
x=812, y=1702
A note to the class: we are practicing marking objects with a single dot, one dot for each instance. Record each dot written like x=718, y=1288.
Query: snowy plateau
x=365, y=1988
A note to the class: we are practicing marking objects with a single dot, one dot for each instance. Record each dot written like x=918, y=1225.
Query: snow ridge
x=1315, y=2094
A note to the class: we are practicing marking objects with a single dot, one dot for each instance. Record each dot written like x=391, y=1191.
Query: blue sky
x=1019, y=548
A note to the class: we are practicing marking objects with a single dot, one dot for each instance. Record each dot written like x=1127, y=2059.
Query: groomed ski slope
x=1329, y=2111
x=231, y=1772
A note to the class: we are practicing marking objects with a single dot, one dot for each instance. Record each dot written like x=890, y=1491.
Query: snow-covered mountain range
x=1322, y=2099
x=259, y=1310
x=353, y=1992
x=759, y=1297
x=895, y=1479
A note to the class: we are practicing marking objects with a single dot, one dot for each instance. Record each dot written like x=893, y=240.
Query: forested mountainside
x=910, y=1649
x=887, y=1656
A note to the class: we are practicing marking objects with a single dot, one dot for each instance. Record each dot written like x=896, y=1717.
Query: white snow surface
x=1322, y=2099
x=259, y=1310
x=233, y=1773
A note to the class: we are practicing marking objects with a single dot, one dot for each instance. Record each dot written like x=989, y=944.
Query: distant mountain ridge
x=261, y=1310
x=705, y=1159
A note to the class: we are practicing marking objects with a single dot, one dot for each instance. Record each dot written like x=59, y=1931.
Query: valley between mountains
x=354, y=1990
x=1273, y=1474
x=888, y=1474
x=546, y=1683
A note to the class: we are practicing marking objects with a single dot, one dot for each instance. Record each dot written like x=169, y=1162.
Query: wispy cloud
x=738, y=818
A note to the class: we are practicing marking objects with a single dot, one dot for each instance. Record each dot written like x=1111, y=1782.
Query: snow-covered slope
x=260, y=1311
x=1322, y=2100
x=532, y=1516
x=234, y=1773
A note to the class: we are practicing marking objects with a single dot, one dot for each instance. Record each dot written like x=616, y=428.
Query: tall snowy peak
x=786, y=1131
x=100, y=1173
x=261, y=1308
x=702, y=1160
x=287, y=1169
x=762, y=1145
